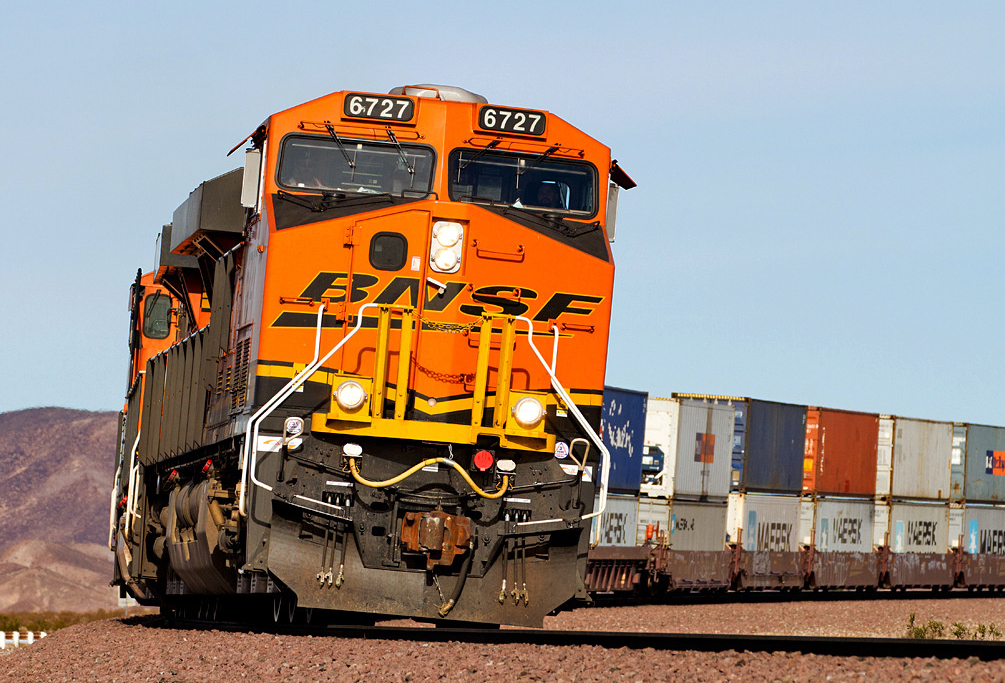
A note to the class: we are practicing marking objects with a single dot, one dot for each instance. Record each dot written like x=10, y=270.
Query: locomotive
x=366, y=373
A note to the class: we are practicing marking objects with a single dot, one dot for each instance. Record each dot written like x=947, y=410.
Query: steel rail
x=987, y=650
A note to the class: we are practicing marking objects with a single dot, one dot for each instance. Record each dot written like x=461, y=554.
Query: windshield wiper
x=401, y=153
x=330, y=200
x=465, y=163
x=552, y=220
x=338, y=141
x=523, y=169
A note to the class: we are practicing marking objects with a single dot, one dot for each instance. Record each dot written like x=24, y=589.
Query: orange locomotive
x=391, y=405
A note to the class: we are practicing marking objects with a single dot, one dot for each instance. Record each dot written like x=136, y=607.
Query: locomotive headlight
x=447, y=234
x=446, y=260
x=528, y=412
x=446, y=246
x=350, y=395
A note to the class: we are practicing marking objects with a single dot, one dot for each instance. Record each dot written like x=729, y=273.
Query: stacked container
x=694, y=438
x=838, y=508
x=763, y=504
x=913, y=516
x=978, y=481
x=622, y=427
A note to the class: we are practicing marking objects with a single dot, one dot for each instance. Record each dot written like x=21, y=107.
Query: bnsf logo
x=489, y=299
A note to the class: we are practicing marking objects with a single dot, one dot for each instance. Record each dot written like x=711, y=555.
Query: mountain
x=56, y=468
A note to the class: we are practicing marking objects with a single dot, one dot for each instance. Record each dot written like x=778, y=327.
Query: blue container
x=739, y=444
x=985, y=466
x=623, y=428
x=774, y=447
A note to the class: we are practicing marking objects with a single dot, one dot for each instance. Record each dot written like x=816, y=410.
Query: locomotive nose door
x=386, y=269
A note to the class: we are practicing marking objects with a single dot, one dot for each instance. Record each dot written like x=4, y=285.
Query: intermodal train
x=718, y=493
x=356, y=360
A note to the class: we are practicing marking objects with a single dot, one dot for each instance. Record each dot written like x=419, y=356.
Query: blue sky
x=821, y=188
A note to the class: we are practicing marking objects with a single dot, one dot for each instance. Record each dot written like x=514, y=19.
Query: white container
x=984, y=530
x=880, y=523
x=696, y=438
x=696, y=525
x=922, y=453
x=619, y=522
x=884, y=456
x=766, y=522
x=844, y=525
x=919, y=527
x=654, y=511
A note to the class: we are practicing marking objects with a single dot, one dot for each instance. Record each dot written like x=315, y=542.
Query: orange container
x=840, y=457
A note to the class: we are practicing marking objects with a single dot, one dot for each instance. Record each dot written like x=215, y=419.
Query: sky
x=821, y=187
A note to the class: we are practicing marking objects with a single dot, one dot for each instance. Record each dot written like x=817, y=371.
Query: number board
x=382, y=108
x=522, y=121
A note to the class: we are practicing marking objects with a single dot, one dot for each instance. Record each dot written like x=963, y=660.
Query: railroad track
x=702, y=642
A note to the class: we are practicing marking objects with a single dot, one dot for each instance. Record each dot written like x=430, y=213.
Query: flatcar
x=375, y=382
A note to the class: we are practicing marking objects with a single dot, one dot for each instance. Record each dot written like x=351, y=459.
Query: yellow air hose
x=425, y=463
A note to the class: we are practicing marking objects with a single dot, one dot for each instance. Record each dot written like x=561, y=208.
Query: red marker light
x=483, y=461
x=205, y=468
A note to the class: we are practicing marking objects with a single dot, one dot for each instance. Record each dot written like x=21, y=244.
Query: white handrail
x=560, y=390
x=134, y=470
x=249, y=455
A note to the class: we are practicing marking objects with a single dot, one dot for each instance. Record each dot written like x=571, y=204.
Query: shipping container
x=764, y=522
x=775, y=447
x=985, y=464
x=769, y=529
x=840, y=452
x=884, y=456
x=653, y=512
x=881, y=524
x=958, y=463
x=697, y=526
x=618, y=524
x=622, y=426
x=695, y=439
x=984, y=530
x=984, y=543
x=922, y=450
x=844, y=525
x=919, y=527
x=740, y=407
x=739, y=443
x=955, y=526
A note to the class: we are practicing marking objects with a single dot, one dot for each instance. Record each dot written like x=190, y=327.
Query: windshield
x=316, y=163
x=532, y=181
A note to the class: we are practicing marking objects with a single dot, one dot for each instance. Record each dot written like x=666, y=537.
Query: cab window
x=157, y=316
x=529, y=181
x=322, y=164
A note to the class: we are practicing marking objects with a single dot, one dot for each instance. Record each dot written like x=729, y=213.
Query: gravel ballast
x=136, y=650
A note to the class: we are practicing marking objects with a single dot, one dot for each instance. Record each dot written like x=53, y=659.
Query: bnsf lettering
x=505, y=299
x=993, y=542
x=506, y=305
x=773, y=536
x=846, y=530
x=561, y=303
x=922, y=533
